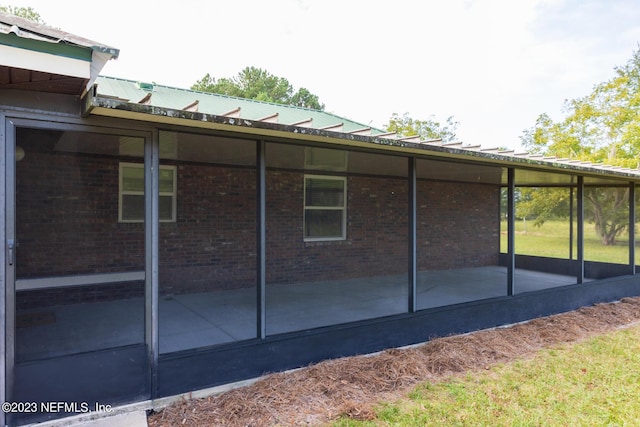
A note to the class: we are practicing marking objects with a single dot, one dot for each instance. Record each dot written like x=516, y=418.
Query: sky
x=494, y=65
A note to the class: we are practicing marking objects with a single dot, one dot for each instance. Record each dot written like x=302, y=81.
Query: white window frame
x=343, y=208
x=122, y=192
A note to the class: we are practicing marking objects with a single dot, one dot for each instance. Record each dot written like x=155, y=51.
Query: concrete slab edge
x=146, y=405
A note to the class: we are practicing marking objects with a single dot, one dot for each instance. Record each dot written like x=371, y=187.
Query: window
x=325, y=208
x=132, y=193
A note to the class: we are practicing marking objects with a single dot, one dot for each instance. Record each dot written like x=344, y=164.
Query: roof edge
x=96, y=105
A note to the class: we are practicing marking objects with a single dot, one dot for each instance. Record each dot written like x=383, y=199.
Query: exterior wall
x=212, y=245
x=68, y=225
x=458, y=225
x=376, y=242
x=67, y=216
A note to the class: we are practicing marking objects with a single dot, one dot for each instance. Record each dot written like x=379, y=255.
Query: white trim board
x=37, y=61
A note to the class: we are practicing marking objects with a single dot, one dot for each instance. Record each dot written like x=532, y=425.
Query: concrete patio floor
x=196, y=320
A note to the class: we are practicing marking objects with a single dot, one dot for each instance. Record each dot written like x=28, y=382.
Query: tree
x=23, y=12
x=603, y=126
x=606, y=208
x=427, y=129
x=541, y=204
x=304, y=98
x=256, y=83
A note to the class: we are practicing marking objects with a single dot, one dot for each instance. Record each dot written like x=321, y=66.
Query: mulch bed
x=352, y=386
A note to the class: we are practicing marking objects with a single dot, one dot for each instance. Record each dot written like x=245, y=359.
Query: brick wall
x=68, y=225
x=67, y=210
x=212, y=245
x=376, y=241
x=458, y=225
x=67, y=217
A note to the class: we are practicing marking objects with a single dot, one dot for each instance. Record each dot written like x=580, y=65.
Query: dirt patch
x=351, y=386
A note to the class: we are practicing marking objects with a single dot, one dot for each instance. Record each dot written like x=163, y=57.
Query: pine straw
x=351, y=386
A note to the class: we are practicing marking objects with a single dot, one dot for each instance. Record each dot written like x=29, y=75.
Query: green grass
x=552, y=240
x=592, y=383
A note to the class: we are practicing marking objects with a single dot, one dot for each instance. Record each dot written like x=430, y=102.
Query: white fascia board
x=98, y=61
x=37, y=61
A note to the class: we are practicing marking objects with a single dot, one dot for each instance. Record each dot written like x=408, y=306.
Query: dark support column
x=580, y=223
x=571, y=223
x=413, y=259
x=632, y=227
x=261, y=265
x=511, y=230
x=152, y=239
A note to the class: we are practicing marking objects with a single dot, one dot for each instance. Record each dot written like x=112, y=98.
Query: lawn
x=552, y=240
x=593, y=382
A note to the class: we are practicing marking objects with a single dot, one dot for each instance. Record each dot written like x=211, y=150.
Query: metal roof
x=229, y=106
x=162, y=104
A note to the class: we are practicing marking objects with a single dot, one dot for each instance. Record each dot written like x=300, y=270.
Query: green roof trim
x=58, y=49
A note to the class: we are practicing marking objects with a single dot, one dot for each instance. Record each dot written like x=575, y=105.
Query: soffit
x=23, y=79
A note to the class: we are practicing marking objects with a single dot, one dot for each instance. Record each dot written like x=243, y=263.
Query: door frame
x=8, y=135
x=6, y=380
x=8, y=265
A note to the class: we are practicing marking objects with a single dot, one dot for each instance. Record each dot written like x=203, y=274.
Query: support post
x=570, y=223
x=632, y=227
x=261, y=265
x=580, y=229
x=413, y=259
x=152, y=240
x=511, y=231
